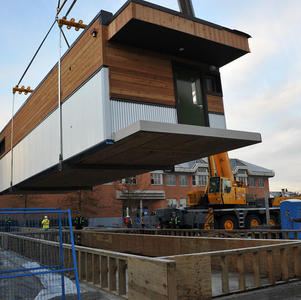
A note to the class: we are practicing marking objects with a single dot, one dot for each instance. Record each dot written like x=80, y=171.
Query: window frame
x=153, y=179
x=169, y=176
x=180, y=181
x=2, y=146
x=174, y=202
x=259, y=182
x=253, y=179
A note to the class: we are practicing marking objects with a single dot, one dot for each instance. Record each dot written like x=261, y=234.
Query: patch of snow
x=51, y=282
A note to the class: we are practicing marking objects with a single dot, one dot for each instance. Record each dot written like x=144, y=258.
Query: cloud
x=265, y=93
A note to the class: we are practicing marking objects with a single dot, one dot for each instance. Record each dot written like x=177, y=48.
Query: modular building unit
x=140, y=91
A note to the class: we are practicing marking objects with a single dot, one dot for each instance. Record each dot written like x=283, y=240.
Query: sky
x=262, y=90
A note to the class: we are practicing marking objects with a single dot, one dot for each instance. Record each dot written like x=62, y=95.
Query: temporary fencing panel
x=36, y=262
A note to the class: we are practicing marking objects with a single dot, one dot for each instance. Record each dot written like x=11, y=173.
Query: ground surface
x=288, y=291
x=39, y=287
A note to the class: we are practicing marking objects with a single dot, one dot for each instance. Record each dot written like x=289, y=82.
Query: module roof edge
x=177, y=13
x=159, y=127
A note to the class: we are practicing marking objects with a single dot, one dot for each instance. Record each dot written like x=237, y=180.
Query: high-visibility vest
x=45, y=223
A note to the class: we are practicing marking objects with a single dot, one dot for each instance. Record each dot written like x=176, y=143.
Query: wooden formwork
x=181, y=267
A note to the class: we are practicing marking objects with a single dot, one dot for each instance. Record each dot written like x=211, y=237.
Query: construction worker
x=8, y=224
x=79, y=222
x=128, y=222
x=174, y=221
x=45, y=223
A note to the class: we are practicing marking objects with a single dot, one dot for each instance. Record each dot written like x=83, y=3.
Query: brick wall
x=257, y=191
x=102, y=202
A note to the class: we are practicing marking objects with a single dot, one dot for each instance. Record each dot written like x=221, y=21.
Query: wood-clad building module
x=143, y=93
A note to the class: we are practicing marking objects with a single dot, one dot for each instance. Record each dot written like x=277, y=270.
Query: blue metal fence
x=33, y=260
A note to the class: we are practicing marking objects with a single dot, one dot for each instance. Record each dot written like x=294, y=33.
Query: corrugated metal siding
x=38, y=151
x=217, y=121
x=125, y=113
x=84, y=116
x=5, y=172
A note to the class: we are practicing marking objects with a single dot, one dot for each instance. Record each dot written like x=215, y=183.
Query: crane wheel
x=273, y=221
x=228, y=222
x=253, y=221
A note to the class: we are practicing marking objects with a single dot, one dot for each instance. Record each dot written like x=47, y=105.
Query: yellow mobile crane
x=226, y=198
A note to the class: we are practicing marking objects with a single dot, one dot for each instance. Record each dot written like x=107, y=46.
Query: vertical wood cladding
x=83, y=59
x=215, y=104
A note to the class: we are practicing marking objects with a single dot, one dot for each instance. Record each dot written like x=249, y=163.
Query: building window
x=129, y=180
x=242, y=172
x=156, y=179
x=244, y=180
x=190, y=99
x=260, y=182
x=203, y=179
x=213, y=85
x=183, y=180
x=170, y=179
x=183, y=202
x=172, y=203
x=202, y=170
x=200, y=180
x=252, y=182
x=2, y=146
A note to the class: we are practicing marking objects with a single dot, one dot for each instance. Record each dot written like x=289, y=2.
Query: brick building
x=158, y=189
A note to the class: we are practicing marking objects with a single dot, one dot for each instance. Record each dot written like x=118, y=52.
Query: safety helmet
x=45, y=217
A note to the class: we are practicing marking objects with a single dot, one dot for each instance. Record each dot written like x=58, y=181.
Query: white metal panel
x=38, y=151
x=5, y=173
x=217, y=121
x=85, y=116
x=126, y=113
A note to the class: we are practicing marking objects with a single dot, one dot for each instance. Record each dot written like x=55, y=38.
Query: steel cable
x=36, y=52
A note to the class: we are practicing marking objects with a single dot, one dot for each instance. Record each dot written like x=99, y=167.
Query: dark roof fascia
x=177, y=13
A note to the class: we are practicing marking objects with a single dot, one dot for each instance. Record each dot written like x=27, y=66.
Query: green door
x=190, y=97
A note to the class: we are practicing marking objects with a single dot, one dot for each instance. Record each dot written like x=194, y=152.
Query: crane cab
x=222, y=190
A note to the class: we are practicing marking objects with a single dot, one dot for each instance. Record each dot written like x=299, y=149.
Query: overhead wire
x=60, y=8
x=36, y=52
x=65, y=37
x=71, y=6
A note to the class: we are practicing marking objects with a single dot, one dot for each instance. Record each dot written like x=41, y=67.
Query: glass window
x=213, y=84
x=226, y=186
x=2, y=146
x=214, y=185
x=252, y=181
x=260, y=182
x=203, y=179
x=128, y=180
x=190, y=102
x=183, y=180
x=244, y=180
x=183, y=202
x=170, y=179
x=156, y=179
x=203, y=170
x=195, y=180
x=172, y=203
